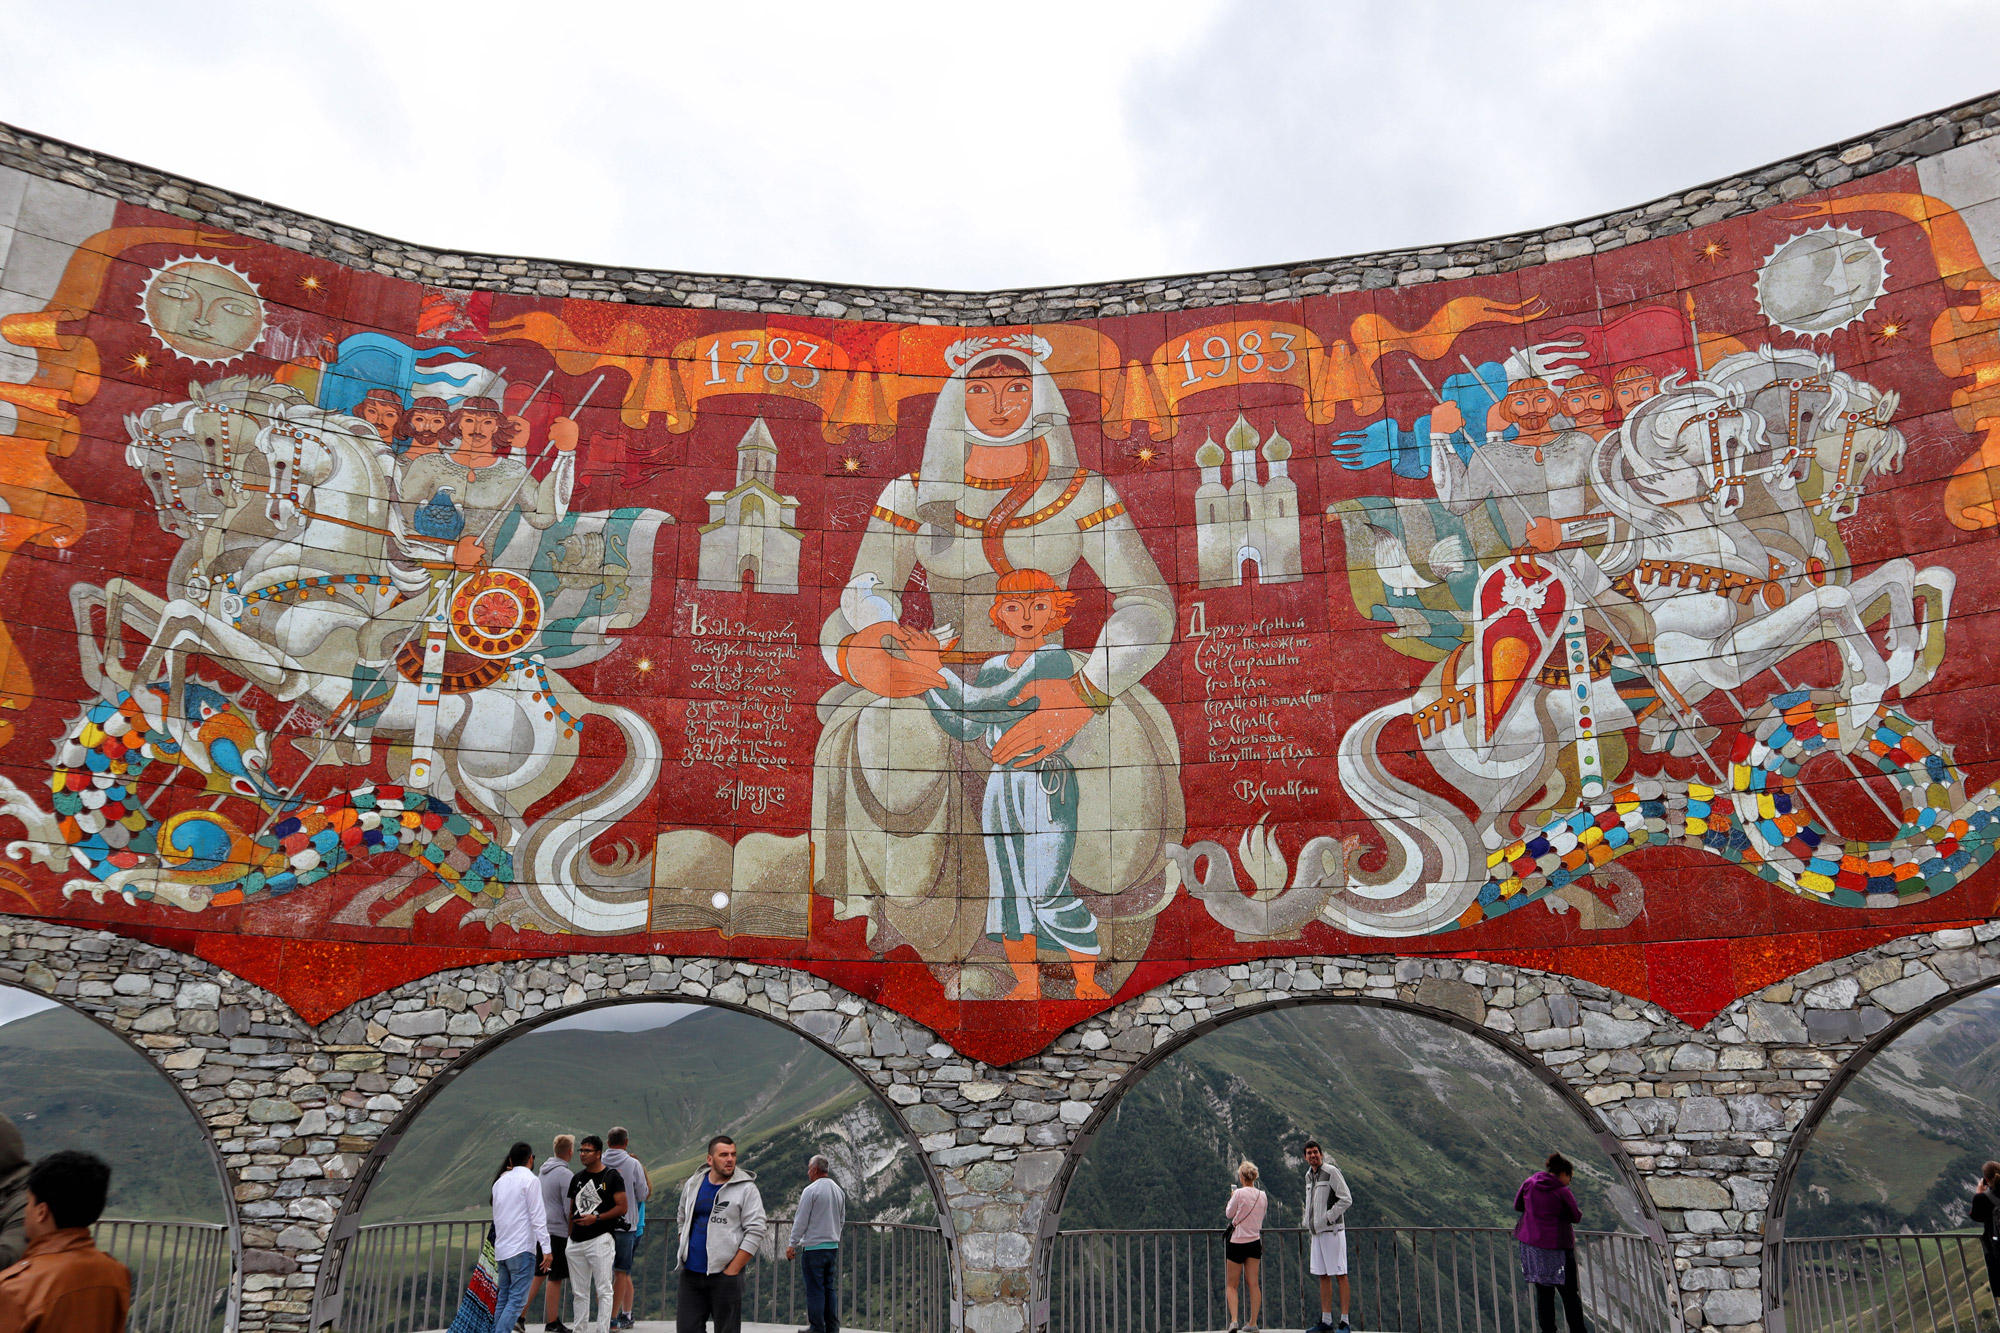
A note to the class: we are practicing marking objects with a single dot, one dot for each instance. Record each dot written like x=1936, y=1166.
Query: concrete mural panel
x=1624, y=616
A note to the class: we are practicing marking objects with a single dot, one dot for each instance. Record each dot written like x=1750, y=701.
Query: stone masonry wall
x=1708, y=1119
x=1893, y=145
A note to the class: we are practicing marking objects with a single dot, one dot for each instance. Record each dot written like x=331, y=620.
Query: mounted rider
x=1535, y=469
x=453, y=509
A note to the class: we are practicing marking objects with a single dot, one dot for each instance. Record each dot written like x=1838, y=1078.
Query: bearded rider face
x=427, y=427
x=1531, y=408
x=1586, y=404
x=1633, y=392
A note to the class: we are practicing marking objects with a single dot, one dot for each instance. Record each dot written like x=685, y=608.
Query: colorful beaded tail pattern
x=1761, y=820
x=101, y=814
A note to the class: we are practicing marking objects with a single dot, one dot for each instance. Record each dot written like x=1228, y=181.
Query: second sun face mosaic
x=1624, y=615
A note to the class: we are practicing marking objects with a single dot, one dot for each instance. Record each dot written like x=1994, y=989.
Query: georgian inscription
x=751, y=719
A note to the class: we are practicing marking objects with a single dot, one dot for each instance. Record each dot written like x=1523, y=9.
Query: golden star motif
x=1147, y=454
x=645, y=664
x=1715, y=251
x=310, y=283
x=1890, y=331
x=850, y=464
x=140, y=362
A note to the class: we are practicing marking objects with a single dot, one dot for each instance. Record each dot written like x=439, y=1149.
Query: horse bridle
x=220, y=464
x=1843, y=485
x=1719, y=478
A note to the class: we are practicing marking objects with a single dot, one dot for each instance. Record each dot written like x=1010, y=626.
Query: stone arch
x=161, y=982
x=1912, y=979
x=1453, y=991
x=718, y=983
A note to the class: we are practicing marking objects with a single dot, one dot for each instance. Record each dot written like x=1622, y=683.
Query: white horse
x=1685, y=574
x=287, y=495
x=1437, y=855
x=1836, y=437
x=1722, y=607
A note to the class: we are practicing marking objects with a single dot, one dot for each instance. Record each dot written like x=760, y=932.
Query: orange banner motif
x=784, y=362
x=1329, y=374
x=850, y=392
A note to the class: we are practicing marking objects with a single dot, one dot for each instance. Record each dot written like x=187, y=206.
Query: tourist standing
x=1548, y=1245
x=1327, y=1202
x=13, y=1194
x=597, y=1200
x=520, y=1235
x=625, y=1238
x=555, y=1178
x=722, y=1224
x=816, y=1226
x=1244, y=1251
x=64, y=1283
x=1986, y=1212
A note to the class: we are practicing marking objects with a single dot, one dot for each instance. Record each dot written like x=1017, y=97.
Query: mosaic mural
x=1627, y=616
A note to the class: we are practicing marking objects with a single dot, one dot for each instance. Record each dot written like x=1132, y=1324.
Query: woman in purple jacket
x=1548, y=1246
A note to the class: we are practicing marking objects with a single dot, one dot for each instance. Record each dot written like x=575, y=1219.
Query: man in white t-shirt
x=520, y=1234
x=1327, y=1202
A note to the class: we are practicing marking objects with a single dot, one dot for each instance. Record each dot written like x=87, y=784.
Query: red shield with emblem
x=1521, y=602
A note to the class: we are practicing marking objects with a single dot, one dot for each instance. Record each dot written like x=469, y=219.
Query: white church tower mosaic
x=751, y=540
x=1246, y=523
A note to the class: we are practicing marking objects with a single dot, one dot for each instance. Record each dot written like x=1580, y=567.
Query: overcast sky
x=973, y=145
x=16, y=1002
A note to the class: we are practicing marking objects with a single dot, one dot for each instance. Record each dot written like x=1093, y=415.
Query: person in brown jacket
x=13, y=1195
x=66, y=1284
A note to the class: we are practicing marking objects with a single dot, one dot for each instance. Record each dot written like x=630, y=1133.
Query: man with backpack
x=631, y=1226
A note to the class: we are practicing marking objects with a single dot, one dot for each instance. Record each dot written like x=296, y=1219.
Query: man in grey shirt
x=816, y=1226
x=555, y=1177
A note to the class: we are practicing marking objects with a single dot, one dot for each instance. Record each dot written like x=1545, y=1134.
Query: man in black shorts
x=555, y=1202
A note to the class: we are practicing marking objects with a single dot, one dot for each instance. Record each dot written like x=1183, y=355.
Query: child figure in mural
x=898, y=801
x=1030, y=812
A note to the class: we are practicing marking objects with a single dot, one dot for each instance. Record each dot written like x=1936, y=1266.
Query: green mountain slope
x=1903, y=1146
x=1431, y=1127
x=67, y=1083
x=715, y=1071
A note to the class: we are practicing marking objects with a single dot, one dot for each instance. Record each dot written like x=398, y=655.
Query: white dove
x=862, y=605
x=1392, y=562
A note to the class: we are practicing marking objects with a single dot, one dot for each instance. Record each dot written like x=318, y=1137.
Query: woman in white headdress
x=896, y=802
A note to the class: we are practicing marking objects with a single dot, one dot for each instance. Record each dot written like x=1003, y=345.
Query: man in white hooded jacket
x=1325, y=1214
x=722, y=1226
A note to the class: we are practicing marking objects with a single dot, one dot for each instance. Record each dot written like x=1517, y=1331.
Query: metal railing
x=407, y=1277
x=1884, y=1284
x=1403, y=1280
x=180, y=1272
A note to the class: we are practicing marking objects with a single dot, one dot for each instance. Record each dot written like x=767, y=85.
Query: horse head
x=1687, y=445
x=168, y=459
x=1856, y=442
x=303, y=449
x=192, y=453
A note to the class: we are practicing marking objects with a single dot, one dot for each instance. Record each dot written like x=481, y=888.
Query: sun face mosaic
x=1627, y=616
